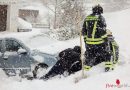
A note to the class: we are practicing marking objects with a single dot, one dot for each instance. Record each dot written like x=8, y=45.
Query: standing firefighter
x=95, y=38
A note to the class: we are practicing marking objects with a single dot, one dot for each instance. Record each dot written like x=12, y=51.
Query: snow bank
x=97, y=80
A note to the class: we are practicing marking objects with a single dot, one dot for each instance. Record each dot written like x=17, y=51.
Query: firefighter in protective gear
x=95, y=38
x=113, y=49
x=69, y=62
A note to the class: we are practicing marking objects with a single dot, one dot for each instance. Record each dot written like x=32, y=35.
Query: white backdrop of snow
x=118, y=23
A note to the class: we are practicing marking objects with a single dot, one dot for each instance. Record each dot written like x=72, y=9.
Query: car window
x=0, y=45
x=12, y=45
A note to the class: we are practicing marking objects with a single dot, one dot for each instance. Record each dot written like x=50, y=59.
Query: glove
x=110, y=38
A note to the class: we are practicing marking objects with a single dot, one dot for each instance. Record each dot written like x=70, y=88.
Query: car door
x=15, y=62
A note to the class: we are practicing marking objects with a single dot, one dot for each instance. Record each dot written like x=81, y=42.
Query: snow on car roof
x=41, y=42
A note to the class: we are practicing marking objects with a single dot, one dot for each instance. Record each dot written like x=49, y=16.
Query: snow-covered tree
x=68, y=15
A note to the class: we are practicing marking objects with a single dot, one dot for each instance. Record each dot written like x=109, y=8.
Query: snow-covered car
x=17, y=58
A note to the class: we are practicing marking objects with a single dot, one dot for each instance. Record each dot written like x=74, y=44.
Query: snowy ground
x=118, y=23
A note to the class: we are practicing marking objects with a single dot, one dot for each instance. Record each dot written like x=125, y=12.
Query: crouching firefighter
x=69, y=62
x=96, y=40
x=113, y=48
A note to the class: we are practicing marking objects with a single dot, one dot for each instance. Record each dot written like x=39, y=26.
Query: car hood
x=41, y=57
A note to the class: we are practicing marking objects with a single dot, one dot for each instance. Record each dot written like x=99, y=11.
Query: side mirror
x=22, y=51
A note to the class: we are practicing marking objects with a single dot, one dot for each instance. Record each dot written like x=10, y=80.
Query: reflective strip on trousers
x=114, y=53
x=109, y=64
x=87, y=67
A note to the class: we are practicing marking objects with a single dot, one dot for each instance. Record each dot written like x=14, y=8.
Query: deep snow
x=118, y=23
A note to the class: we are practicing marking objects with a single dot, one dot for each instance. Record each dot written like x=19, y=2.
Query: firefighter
x=113, y=47
x=95, y=38
x=69, y=62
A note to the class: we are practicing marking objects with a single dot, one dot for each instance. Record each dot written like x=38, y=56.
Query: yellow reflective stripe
x=99, y=42
x=87, y=67
x=114, y=43
x=94, y=30
x=90, y=39
x=92, y=18
x=114, y=53
x=104, y=36
x=89, y=19
x=86, y=24
x=95, y=17
x=95, y=39
x=109, y=64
